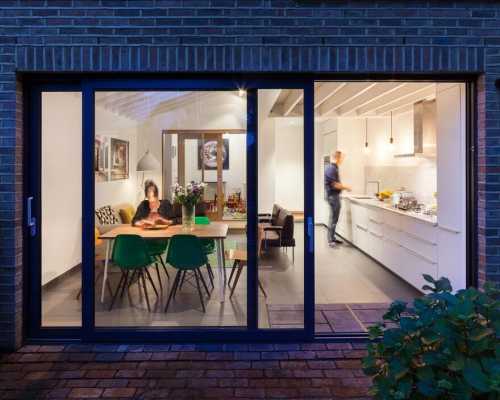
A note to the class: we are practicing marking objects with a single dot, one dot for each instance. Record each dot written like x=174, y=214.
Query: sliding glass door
x=170, y=209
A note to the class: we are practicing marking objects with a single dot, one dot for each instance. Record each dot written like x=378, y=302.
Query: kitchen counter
x=373, y=202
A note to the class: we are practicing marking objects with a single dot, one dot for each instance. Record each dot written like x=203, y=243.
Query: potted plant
x=188, y=196
x=446, y=346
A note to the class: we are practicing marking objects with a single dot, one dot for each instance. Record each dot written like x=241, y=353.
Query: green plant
x=444, y=347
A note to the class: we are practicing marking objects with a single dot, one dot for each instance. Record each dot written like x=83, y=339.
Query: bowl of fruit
x=386, y=194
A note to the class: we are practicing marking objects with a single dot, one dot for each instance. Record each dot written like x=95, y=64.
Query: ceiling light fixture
x=241, y=92
x=366, y=149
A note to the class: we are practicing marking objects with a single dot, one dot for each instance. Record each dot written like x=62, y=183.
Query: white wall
x=289, y=159
x=266, y=146
x=350, y=140
x=416, y=174
x=123, y=190
x=61, y=183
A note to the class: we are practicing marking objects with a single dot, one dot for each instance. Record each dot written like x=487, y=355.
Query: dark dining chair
x=185, y=253
x=130, y=254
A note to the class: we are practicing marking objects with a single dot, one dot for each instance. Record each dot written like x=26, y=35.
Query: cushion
x=126, y=214
x=106, y=215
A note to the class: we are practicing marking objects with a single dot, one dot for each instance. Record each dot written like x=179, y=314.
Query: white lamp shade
x=148, y=162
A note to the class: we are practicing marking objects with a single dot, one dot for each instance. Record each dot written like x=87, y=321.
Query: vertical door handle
x=310, y=234
x=30, y=220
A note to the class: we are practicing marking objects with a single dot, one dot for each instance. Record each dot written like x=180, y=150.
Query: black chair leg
x=176, y=287
x=123, y=280
x=141, y=276
x=240, y=268
x=210, y=275
x=202, y=280
x=235, y=264
x=293, y=255
x=199, y=291
x=173, y=289
x=126, y=284
x=158, y=275
x=131, y=281
x=151, y=281
x=164, y=266
x=182, y=280
x=262, y=289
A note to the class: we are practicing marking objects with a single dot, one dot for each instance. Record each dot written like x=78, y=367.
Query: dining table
x=214, y=230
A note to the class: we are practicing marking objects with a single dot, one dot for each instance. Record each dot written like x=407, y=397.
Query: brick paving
x=209, y=371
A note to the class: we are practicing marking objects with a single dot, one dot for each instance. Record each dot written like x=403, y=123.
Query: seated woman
x=153, y=211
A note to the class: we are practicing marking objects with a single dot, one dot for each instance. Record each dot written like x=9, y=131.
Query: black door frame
x=34, y=84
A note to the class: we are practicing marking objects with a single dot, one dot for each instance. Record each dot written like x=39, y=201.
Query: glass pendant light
x=366, y=148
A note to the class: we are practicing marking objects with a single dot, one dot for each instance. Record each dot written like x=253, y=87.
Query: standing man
x=333, y=188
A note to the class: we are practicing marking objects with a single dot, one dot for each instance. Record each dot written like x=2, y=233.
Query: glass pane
x=148, y=145
x=281, y=208
x=61, y=230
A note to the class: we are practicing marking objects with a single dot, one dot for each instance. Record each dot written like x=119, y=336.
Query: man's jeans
x=334, y=202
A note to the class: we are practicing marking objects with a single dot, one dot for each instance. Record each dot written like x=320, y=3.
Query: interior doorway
x=213, y=150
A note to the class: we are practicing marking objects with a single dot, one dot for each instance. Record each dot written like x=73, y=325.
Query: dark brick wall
x=242, y=35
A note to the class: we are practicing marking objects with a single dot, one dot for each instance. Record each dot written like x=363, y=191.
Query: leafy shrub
x=446, y=346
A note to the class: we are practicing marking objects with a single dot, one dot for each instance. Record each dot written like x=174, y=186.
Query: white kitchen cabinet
x=403, y=244
x=344, y=226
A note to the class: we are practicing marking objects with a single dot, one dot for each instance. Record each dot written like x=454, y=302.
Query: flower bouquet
x=188, y=196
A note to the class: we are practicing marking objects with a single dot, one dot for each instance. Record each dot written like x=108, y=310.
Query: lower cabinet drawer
x=407, y=264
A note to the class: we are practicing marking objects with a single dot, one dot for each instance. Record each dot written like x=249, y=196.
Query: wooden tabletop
x=214, y=230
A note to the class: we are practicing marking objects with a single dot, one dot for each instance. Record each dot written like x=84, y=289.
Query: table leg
x=105, y=276
x=220, y=269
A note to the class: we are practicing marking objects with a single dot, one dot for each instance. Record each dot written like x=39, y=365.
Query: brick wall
x=242, y=35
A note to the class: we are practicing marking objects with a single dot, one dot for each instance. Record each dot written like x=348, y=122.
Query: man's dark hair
x=148, y=185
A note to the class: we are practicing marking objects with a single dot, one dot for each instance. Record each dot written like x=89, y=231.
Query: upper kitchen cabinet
x=451, y=164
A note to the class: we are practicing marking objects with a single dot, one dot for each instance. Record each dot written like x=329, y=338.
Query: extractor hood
x=424, y=130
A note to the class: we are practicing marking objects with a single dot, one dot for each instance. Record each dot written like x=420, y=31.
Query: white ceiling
x=355, y=99
x=332, y=99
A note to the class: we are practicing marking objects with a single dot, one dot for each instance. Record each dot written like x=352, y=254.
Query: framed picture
x=119, y=159
x=207, y=154
x=101, y=158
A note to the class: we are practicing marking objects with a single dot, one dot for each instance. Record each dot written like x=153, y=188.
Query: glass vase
x=188, y=213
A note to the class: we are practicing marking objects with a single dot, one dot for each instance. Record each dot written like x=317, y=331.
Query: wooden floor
x=346, y=281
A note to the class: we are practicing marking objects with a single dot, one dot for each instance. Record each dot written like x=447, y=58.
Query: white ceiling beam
x=407, y=100
x=143, y=98
x=180, y=101
x=291, y=101
x=408, y=89
x=344, y=95
x=113, y=97
x=375, y=92
x=324, y=90
x=400, y=110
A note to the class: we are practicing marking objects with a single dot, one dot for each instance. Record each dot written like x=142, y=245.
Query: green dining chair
x=185, y=253
x=157, y=249
x=208, y=246
x=131, y=255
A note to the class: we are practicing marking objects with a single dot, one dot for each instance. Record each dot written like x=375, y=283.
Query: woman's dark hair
x=148, y=185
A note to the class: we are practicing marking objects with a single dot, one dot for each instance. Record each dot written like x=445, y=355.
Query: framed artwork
x=207, y=154
x=101, y=158
x=119, y=159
